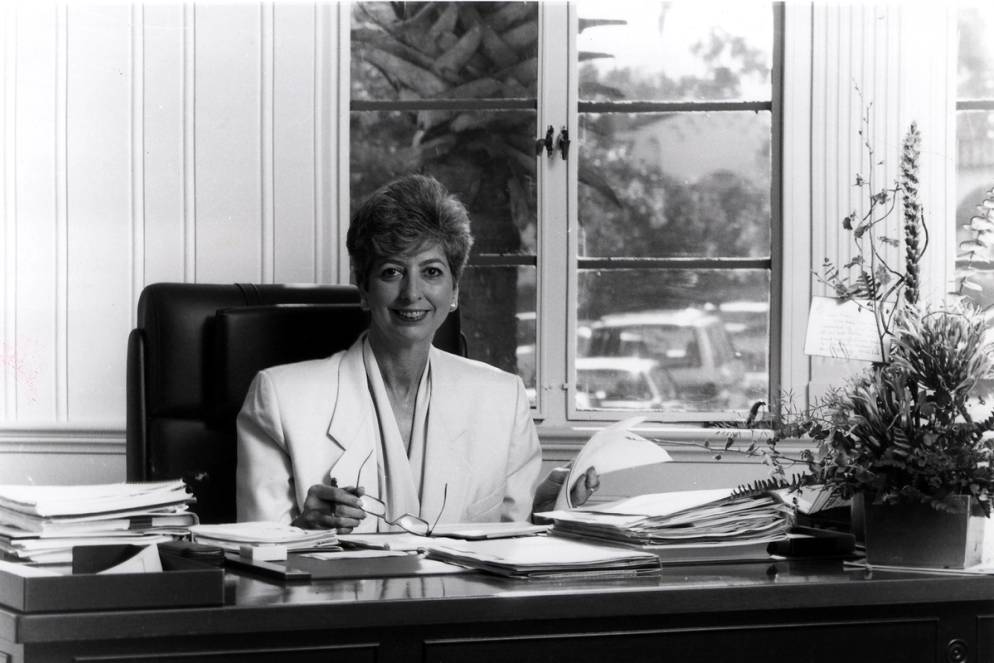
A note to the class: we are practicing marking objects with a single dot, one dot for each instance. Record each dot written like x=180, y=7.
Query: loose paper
x=145, y=560
x=609, y=450
x=842, y=330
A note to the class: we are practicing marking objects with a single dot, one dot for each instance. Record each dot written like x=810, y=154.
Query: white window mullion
x=554, y=333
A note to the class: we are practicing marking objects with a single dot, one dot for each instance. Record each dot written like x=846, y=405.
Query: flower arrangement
x=905, y=429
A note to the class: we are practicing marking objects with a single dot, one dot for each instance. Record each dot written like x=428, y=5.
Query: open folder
x=610, y=449
x=544, y=557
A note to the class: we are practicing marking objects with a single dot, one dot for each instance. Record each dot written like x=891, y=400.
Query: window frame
x=676, y=423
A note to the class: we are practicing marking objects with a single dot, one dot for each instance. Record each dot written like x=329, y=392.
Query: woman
x=393, y=421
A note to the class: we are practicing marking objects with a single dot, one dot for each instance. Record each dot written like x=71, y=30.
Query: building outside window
x=620, y=164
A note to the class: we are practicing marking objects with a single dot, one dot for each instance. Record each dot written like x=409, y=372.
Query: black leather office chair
x=194, y=353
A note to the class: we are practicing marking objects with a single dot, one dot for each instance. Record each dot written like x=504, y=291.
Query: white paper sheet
x=842, y=330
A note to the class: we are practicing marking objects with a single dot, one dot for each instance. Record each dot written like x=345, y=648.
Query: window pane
x=974, y=178
x=976, y=53
x=439, y=50
x=698, y=352
x=497, y=305
x=485, y=167
x=675, y=184
x=974, y=166
x=675, y=51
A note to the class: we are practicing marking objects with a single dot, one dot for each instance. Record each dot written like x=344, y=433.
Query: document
x=543, y=556
x=232, y=536
x=92, y=498
x=499, y=530
x=611, y=449
x=690, y=518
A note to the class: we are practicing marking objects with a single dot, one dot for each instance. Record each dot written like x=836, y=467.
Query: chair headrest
x=248, y=339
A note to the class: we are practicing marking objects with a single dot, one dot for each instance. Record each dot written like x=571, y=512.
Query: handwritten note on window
x=841, y=329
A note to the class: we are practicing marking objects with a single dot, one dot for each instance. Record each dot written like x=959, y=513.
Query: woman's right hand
x=331, y=507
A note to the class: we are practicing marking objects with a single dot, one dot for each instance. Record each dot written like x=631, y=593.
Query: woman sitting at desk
x=432, y=436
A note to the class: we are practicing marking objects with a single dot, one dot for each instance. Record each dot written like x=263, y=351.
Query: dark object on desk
x=94, y=559
x=196, y=584
x=809, y=542
x=187, y=550
x=192, y=355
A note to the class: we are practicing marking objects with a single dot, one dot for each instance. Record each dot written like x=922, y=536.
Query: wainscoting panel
x=294, y=151
x=35, y=317
x=228, y=119
x=168, y=149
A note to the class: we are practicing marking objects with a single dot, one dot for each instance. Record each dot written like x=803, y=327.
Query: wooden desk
x=748, y=612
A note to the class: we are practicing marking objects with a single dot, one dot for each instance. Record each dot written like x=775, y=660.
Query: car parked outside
x=747, y=324
x=691, y=344
x=623, y=383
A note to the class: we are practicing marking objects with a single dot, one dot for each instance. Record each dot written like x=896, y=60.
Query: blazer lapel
x=351, y=428
x=446, y=462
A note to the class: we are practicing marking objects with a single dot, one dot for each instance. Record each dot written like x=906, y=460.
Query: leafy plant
x=904, y=429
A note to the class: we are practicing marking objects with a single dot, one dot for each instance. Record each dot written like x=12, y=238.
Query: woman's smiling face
x=409, y=296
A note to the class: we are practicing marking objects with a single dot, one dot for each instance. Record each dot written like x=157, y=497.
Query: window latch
x=545, y=142
x=562, y=143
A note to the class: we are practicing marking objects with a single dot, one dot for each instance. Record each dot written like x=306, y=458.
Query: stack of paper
x=232, y=536
x=694, y=525
x=44, y=523
x=544, y=557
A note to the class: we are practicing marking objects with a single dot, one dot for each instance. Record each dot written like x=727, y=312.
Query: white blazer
x=303, y=423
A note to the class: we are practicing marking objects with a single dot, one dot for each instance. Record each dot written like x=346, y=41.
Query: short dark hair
x=402, y=216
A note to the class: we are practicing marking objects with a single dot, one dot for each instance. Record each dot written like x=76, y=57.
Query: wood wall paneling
x=8, y=46
x=99, y=190
x=165, y=122
x=228, y=142
x=295, y=234
x=31, y=274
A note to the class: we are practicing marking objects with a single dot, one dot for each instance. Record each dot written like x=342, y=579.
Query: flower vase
x=919, y=535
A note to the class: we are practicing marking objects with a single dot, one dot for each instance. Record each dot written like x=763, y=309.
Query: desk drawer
x=870, y=641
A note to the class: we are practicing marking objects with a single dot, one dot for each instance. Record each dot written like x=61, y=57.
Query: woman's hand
x=585, y=486
x=331, y=507
x=548, y=490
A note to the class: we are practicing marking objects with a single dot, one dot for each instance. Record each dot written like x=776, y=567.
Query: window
x=974, y=131
x=618, y=161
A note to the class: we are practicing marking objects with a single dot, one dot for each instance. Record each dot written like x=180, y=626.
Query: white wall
x=165, y=142
x=201, y=142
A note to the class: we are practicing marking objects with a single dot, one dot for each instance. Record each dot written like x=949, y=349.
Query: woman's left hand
x=548, y=491
x=585, y=486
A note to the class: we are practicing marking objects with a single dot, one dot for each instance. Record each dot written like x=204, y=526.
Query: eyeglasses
x=408, y=522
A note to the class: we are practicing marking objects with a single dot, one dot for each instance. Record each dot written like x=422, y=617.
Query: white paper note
x=841, y=330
